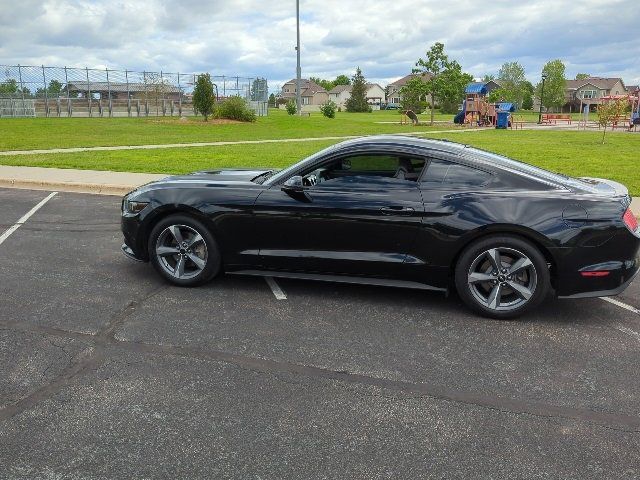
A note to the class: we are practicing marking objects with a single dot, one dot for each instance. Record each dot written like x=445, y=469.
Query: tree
x=328, y=109
x=342, y=80
x=272, y=100
x=9, y=86
x=527, y=101
x=357, y=102
x=582, y=76
x=512, y=82
x=203, y=97
x=554, y=85
x=53, y=90
x=414, y=94
x=155, y=88
x=326, y=84
x=291, y=107
x=444, y=78
x=488, y=77
x=609, y=112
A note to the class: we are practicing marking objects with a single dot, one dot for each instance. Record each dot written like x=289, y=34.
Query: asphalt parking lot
x=108, y=372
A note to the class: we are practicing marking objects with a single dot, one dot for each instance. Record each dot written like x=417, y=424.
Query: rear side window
x=454, y=175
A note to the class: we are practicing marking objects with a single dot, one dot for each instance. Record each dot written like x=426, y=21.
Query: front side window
x=454, y=175
x=366, y=169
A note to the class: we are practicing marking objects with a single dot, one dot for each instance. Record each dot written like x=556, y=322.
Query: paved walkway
x=7, y=153
x=69, y=180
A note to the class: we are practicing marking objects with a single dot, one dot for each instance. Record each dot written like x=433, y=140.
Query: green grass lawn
x=45, y=133
x=574, y=153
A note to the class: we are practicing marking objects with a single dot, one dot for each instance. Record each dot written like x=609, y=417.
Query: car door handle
x=397, y=210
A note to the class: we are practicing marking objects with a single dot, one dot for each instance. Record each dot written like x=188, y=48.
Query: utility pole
x=298, y=69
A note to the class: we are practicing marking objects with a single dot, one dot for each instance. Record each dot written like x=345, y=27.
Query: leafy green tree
x=328, y=109
x=488, y=77
x=326, y=84
x=291, y=107
x=203, y=97
x=554, y=84
x=342, y=80
x=414, y=94
x=9, y=86
x=272, y=100
x=447, y=82
x=582, y=76
x=53, y=90
x=512, y=82
x=609, y=112
x=357, y=102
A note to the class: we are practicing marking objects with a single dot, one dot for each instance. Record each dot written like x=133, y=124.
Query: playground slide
x=459, y=118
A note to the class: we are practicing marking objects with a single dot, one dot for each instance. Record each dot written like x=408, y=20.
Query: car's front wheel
x=183, y=251
x=502, y=277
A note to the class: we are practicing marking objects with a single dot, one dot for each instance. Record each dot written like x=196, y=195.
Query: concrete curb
x=73, y=187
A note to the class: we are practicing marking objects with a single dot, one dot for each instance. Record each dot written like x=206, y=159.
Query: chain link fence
x=28, y=91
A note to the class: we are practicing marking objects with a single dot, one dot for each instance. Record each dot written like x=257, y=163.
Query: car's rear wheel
x=183, y=251
x=502, y=277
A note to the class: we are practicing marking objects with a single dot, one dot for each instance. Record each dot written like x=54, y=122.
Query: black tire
x=163, y=236
x=478, y=261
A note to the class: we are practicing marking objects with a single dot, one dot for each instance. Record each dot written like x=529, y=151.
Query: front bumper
x=126, y=249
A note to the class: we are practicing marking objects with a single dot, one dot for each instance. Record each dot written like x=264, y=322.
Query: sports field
x=573, y=153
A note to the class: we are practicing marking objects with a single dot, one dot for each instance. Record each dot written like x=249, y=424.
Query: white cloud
x=251, y=37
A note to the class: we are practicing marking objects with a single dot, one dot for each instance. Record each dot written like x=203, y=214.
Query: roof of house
x=120, y=87
x=347, y=88
x=599, y=82
x=307, y=88
x=403, y=81
x=633, y=88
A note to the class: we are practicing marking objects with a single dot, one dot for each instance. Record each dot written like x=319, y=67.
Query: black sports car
x=396, y=211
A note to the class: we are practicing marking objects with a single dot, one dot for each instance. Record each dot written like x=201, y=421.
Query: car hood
x=221, y=175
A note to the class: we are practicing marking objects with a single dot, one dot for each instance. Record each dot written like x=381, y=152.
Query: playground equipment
x=478, y=111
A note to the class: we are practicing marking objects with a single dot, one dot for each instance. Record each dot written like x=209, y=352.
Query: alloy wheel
x=181, y=251
x=502, y=279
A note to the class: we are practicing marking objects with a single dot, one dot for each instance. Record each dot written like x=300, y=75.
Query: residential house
x=393, y=89
x=590, y=91
x=313, y=95
x=375, y=95
x=633, y=89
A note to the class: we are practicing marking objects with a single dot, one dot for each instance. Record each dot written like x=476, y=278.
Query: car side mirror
x=293, y=184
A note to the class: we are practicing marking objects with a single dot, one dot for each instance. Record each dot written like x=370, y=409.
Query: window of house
x=589, y=94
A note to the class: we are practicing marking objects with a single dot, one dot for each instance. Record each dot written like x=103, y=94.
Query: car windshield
x=283, y=174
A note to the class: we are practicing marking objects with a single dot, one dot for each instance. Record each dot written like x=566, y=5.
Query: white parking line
x=275, y=288
x=621, y=305
x=627, y=331
x=25, y=217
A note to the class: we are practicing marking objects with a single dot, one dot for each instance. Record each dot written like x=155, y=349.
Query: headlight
x=134, y=207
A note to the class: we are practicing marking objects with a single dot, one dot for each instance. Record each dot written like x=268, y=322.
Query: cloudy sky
x=383, y=37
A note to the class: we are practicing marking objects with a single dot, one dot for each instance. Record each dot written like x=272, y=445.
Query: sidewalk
x=68, y=180
x=94, y=181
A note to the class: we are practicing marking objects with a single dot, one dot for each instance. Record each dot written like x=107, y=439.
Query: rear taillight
x=630, y=220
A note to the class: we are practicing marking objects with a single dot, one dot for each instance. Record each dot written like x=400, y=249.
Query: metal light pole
x=544, y=77
x=298, y=69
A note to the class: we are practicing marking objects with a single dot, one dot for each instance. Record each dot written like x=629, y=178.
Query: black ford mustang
x=397, y=211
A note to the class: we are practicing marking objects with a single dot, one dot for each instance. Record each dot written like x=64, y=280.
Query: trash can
x=503, y=119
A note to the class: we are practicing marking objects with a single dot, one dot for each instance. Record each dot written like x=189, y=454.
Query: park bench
x=555, y=118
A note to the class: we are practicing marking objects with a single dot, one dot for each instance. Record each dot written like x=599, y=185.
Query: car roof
x=402, y=140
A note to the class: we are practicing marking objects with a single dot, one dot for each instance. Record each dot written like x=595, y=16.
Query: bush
x=203, y=97
x=291, y=107
x=449, y=107
x=235, y=108
x=281, y=101
x=328, y=109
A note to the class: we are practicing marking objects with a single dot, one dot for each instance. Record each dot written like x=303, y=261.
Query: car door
x=360, y=219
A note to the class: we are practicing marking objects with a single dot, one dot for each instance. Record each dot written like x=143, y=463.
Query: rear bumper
x=607, y=293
